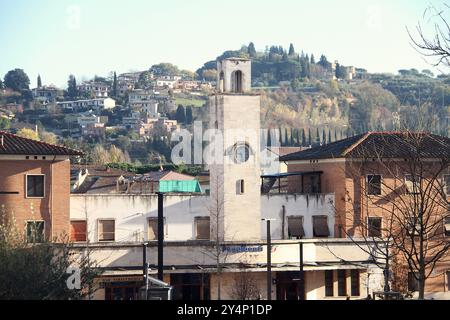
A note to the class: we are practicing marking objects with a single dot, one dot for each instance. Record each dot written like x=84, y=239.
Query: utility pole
x=269, y=259
x=160, y=236
x=302, y=273
x=145, y=268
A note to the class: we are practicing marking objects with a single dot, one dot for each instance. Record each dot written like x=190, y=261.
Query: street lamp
x=269, y=259
x=145, y=267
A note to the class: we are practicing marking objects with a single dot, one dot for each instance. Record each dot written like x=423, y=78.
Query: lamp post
x=302, y=272
x=269, y=259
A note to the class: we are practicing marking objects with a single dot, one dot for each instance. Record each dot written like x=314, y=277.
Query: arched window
x=236, y=79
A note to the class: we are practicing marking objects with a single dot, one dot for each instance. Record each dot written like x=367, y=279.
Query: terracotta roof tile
x=11, y=144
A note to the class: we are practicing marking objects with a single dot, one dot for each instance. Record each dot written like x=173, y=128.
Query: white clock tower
x=236, y=180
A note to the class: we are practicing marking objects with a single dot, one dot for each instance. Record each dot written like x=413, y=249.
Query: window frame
x=302, y=218
x=26, y=185
x=446, y=235
x=196, y=219
x=355, y=274
x=446, y=187
x=148, y=228
x=98, y=231
x=86, y=233
x=43, y=230
x=414, y=183
x=342, y=283
x=327, y=223
x=368, y=184
x=329, y=286
x=368, y=227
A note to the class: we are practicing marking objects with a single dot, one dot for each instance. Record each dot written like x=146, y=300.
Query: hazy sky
x=88, y=37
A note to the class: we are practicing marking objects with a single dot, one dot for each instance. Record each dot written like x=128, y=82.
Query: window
x=413, y=227
x=413, y=283
x=329, y=282
x=412, y=184
x=447, y=226
x=152, y=234
x=342, y=283
x=35, y=186
x=202, y=228
x=447, y=184
x=295, y=227
x=374, y=227
x=374, y=185
x=320, y=227
x=354, y=279
x=106, y=230
x=78, y=231
x=240, y=186
x=35, y=231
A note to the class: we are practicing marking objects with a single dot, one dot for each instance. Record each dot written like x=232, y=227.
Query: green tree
x=323, y=61
x=291, y=50
x=39, y=81
x=28, y=134
x=48, y=137
x=114, y=85
x=313, y=60
x=209, y=74
x=145, y=80
x=1, y=84
x=251, y=50
x=309, y=137
x=72, y=90
x=165, y=69
x=317, y=137
x=5, y=123
x=189, y=116
x=17, y=80
x=181, y=114
x=303, y=138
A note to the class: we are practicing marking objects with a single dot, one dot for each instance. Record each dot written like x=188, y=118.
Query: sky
x=94, y=37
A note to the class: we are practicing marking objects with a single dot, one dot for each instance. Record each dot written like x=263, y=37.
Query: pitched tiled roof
x=11, y=144
x=379, y=145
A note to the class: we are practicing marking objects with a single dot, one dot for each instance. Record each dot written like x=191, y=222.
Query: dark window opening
x=374, y=226
x=329, y=282
x=355, y=282
x=374, y=185
x=202, y=228
x=78, y=231
x=237, y=81
x=320, y=227
x=342, y=283
x=295, y=228
x=190, y=287
x=35, y=186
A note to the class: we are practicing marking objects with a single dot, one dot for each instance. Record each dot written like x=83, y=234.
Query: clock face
x=241, y=153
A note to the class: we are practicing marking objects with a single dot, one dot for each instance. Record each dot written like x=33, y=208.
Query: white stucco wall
x=131, y=213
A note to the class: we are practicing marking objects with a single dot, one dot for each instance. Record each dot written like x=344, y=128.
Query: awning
x=179, y=186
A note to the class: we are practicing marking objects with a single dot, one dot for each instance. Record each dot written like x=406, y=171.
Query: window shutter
x=320, y=226
x=295, y=227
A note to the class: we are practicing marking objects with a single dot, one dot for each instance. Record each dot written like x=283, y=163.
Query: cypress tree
x=39, y=81
x=317, y=137
x=298, y=138
x=324, y=136
x=286, y=142
x=292, y=138
x=329, y=135
x=309, y=137
x=303, y=138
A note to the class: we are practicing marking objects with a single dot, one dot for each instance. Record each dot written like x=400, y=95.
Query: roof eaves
x=353, y=146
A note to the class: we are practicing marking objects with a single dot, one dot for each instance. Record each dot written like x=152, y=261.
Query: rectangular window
x=447, y=184
x=240, y=186
x=374, y=227
x=35, y=231
x=320, y=227
x=153, y=229
x=106, y=230
x=374, y=185
x=35, y=186
x=78, y=231
x=354, y=279
x=413, y=227
x=329, y=282
x=295, y=227
x=447, y=226
x=413, y=283
x=412, y=184
x=202, y=228
x=342, y=283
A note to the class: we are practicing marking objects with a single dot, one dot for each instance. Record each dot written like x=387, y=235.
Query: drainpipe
x=51, y=198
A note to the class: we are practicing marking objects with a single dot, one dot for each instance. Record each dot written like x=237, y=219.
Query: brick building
x=35, y=186
x=373, y=173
